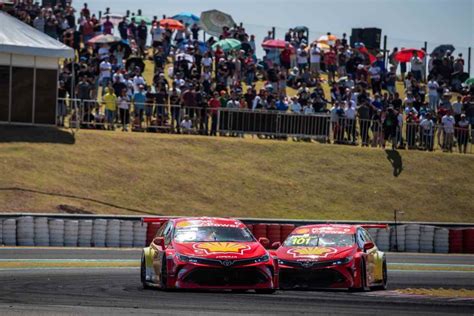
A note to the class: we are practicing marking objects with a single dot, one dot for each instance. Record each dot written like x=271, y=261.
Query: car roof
x=327, y=228
x=207, y=221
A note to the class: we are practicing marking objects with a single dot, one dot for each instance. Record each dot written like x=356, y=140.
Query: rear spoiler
x=154, y=219
x=367, y=226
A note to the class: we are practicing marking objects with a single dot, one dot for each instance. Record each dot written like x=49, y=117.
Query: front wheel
x=382, y=286
x=164, y=275
x=143, y=273
x=363, y=277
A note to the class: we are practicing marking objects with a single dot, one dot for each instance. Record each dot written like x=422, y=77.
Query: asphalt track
x=117, y=291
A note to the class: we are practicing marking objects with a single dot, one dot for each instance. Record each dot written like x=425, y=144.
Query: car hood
x=220, y=250
x=314, y=253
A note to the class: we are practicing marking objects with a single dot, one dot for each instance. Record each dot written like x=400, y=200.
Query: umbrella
x=201, y=45
x=187, y=57
x=275, y=43
x=140, y=18
x=469, y=82
x=187, y=18
x=171, y=24
x=328, y=39
x=227, y=44
x=133, y=62
x=113, y=17
x=104, y=39
x=405, y=55
x=442, y=49
x=300, y=28
x=213, y=21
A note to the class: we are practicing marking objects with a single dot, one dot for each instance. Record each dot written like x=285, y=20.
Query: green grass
x=140, y=173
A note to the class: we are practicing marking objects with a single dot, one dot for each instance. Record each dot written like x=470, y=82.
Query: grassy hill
x=134, y=173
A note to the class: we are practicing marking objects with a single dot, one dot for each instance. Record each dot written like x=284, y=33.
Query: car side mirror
x=159, y=242
x=276, y=245
x=264, y=241
x=369, y=245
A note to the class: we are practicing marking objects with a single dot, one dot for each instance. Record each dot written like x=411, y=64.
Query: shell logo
x=221, y=247
x=302, y=231
x=184, y=224
x=311, y=252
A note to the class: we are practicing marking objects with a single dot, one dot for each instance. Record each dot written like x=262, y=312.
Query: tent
x=29, y=62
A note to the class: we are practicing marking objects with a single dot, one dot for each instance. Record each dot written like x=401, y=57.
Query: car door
x=371, y=259
x=157, y=252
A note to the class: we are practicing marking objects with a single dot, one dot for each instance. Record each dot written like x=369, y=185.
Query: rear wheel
x=143, y=273
x=382, y=286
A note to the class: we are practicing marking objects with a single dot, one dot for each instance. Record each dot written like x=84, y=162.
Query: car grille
x=307, y=264
x=308, y=278
x=225, y=276
x=223, y=262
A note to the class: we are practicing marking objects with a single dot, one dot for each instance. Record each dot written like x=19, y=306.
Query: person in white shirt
x=350, y=115
x=105, y=75
x=186, y=125
x=457, y=108
x=448, y=127
x=427, y=126
x=315, y=59
x=138, y=81
x=433, y=94
x=124, y=109
x=417, y=67
x=104, y=51
x=302, y=57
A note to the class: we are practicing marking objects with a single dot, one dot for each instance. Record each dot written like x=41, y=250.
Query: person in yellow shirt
x=110, y=102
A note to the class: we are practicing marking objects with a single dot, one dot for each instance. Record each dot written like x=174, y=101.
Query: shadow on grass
x=70, y=196
x=35, y=134
x=396, y=160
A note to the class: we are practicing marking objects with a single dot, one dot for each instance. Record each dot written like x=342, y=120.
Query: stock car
x=331, y=256
x=208, y=253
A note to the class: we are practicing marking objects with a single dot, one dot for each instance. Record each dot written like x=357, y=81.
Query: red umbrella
x=275, y=43
x=405, y=55
x=171, y=24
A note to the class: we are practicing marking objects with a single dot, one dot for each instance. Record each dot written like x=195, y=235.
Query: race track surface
x=117, y=291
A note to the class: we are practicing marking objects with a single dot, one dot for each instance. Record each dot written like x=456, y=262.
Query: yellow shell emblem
x=311, y=251
x=302, y=231
x=222, y=247
x=184, y=224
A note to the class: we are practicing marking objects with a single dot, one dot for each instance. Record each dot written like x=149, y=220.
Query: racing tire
x=164, y=275
x=143, y=274
x=363, y=273
x=383, y=286
x=265, y=291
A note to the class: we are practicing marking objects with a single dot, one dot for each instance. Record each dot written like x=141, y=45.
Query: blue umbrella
x=187, y=18
x=202, y=45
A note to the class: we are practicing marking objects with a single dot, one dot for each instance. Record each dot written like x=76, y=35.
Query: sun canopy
x=19, y=38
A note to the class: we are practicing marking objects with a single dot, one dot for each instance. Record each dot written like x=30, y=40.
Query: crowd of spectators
x=191, y=81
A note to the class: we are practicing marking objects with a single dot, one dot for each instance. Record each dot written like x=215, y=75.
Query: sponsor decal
x=221, y=247
x=302, y=231
x=184, y=224
x=311, y=252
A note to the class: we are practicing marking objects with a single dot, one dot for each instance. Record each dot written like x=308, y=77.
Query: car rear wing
x=160, y=220
x=367, y=226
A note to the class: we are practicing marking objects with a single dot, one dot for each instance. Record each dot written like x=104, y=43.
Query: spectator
x=124, y=109
x=448, y=123
x=110, y=102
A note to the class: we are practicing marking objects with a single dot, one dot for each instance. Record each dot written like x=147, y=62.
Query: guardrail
x=268, y=123
x=130, y=231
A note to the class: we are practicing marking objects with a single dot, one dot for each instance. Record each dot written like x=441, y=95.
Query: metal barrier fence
x=271, y=124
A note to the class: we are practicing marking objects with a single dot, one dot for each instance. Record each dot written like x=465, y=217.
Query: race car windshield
x=320, y=240
x=212, y=233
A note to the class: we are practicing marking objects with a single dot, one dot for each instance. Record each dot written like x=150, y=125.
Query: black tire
x=383, y=286
x=164, y=275
x=143, y=273
x=265, y=291
x=363, y=287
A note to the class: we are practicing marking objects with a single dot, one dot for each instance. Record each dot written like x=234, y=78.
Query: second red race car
x=331, y=256
x=208, y=253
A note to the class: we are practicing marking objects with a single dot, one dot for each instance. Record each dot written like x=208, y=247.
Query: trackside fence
x=150, y=117
x=132, y=231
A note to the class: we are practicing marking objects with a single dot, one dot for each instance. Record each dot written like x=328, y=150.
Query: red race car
x=331, y=256
x=207, y=253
